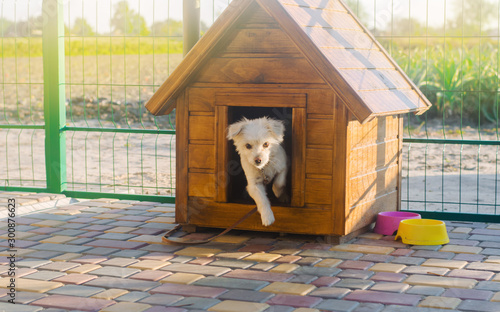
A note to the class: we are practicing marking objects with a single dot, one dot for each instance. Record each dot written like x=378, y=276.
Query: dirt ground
x=445, y=174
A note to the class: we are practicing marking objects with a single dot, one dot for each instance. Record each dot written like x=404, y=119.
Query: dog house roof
x=334, y=42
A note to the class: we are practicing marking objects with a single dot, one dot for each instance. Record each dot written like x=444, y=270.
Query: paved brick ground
x=106, y=255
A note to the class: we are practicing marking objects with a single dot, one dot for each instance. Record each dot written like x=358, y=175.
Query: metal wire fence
x=111, y=63
x=118, y=52
x=451, y=50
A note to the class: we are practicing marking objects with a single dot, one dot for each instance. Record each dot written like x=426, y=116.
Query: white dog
x=263, y=159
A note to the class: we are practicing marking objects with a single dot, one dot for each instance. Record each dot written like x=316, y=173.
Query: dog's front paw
x=267, y=218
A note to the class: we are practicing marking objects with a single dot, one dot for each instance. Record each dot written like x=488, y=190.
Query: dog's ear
x=277, y=127
x=234, y=129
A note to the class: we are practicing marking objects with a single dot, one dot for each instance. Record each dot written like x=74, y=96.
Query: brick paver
x=196, y=269
x=72, y=303
x=383, y=297
x=182, y=278
x=110, y=293
x=472, y=294
x=24, y=284
x=231, y=283
x=447, y=282
x=76, y=290
x=259, y=276
x=289, y=288
x=242, y=306
x=294, y=301
x=246, y=295
x=127, y=306
x=189, y=290
x=75, y=278
x=440, y=303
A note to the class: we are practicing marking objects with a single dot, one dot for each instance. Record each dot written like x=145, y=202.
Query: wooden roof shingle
x=335, y=43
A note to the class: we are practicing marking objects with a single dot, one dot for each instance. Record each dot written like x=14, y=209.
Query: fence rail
x=101, y=60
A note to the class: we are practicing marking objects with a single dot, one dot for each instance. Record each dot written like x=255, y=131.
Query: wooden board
x=340, y=39
x=181, y=143
x=340, y=168
x=358, y=59
x=320, y=102
x=259, y=40
x=393, y=102
x=202, y=128
x=373, y=185
x=222, y=153
x=298, y=169
x=201, y=99
x=372, y=157
x=202, y=156
x=319, y=161
x=201, y=184
x=207, y=213
x=379, y=130
x=374, y=79
x=400, y=159
x=319, y=132
x=281, y=99
x=318, y=191
x=258, y=70
x=256, y=16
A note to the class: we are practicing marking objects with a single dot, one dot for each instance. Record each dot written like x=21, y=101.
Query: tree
x=5, y=26
x=82, y=28
x=472, y=16
x=407, y=27
x=128, y=22
x=170, y=27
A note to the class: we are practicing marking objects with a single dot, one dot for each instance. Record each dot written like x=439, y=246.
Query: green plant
x=451, y=77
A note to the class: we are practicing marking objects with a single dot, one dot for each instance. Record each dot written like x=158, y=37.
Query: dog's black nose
x=258, y=161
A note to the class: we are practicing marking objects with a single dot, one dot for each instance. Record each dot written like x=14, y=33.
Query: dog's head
x=255, y=139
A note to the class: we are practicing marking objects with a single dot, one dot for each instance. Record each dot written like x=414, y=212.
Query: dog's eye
x=266, y=145
x=248, y=146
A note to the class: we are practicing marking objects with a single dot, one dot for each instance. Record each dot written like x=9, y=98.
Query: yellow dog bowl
x=422, y=232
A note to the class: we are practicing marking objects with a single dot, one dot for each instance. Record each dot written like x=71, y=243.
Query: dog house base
x=327, y=239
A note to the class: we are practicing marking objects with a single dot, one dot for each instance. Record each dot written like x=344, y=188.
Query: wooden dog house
x=312, y=64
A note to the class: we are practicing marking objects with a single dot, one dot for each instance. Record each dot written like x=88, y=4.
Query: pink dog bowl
x=388, y=221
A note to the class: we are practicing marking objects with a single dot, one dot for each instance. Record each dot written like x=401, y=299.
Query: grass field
x=77, y=46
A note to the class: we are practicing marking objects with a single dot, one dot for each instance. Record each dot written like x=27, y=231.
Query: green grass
x=460, y=81
x=25, y=47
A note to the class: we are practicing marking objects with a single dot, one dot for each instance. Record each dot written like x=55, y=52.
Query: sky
x=98, y=12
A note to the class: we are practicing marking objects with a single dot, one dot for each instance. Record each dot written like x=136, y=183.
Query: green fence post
x=191, y=24
x=54, y=95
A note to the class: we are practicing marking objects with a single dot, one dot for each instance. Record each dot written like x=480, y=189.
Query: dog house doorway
x=288, y=107
x=236, y=187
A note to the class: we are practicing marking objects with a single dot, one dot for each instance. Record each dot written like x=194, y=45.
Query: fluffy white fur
x=263, y=159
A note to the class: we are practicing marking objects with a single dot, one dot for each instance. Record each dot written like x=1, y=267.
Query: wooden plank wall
x=373, y=170
x=202, y=179
x=258, y=52
x=320, y=139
